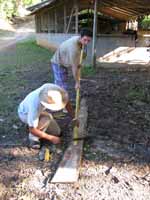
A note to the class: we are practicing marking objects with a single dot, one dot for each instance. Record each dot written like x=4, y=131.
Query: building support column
x=56, y=30
x=94, y=34
x=76, y=17
x=65, y=19
x=70, y=19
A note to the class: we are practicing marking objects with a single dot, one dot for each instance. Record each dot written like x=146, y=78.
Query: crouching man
x=32, y=111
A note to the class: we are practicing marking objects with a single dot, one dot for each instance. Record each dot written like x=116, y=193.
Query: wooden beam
x=36, y=23
x=55, y=21
x=94, y=35
x=68, y=170
x=114, y=14
x=65, y=19
x=72, y=10
x=48, y=22
x=76, y=16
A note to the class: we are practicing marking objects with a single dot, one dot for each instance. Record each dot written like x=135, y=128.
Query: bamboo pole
x=76, y=16
x=70, y=20
x=75, y=130
x=65, y=20
x=56, y=21
x=94, y=35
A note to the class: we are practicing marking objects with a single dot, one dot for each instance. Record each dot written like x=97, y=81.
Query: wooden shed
x=56, y=20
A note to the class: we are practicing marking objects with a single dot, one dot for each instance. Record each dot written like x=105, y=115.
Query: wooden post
x=70, y=20
x=39, y=23
x=55, y=21
x=65, y=20
x=76, y=17
x=76, y=130
x=36, y=23
x=94, y=35
x=48, y=22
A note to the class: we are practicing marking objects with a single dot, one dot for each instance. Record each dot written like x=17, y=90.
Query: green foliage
x=9, y=8
x=30, y=2
x=136, y=94
x=88, y=70
x=145, y=23
x=139, y=94
x=21, y=70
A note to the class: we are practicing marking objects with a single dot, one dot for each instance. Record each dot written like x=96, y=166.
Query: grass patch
x=22, y=69
x=138, y=93
x=88, y=70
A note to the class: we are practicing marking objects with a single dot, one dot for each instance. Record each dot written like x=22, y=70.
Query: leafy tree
x=9, y=8
x=144, y=23
x=29, y=2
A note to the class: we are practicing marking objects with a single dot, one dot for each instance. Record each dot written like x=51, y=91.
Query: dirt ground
x=116, y=159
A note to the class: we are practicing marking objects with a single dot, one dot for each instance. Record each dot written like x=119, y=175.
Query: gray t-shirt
x=68, y=53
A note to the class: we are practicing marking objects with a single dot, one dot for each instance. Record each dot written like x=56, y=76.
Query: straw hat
x=53, y=97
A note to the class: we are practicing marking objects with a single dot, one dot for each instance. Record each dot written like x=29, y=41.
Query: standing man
x=41, y=124
x=68, y=56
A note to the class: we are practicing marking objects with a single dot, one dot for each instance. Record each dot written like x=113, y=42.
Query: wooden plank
x=68, y=170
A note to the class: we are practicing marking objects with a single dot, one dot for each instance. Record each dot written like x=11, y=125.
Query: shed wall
x=104, y=45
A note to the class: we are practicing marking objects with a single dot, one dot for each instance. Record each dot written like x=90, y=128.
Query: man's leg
x=48, y=124
x=33, y=140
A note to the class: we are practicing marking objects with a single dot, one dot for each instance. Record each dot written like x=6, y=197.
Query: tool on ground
x=59, y=115
x=47, y=154
x=75, y=130
x=82, y=138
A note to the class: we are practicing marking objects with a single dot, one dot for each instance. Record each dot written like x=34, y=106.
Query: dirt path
x=19, y=33
x=116, y=162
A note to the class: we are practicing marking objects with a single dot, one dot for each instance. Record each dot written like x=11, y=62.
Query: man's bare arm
x=72, y=113
x=70, y=109
x=76, y=75
x=43, y=135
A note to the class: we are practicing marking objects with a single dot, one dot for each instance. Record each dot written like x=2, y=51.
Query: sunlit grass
x=19, y=71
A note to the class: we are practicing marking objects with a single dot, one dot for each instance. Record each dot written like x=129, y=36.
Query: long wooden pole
x=56, y=21
x=94, y=35
x=75, y=130
x=70, y=20
x=65, y=20
x=76, y=16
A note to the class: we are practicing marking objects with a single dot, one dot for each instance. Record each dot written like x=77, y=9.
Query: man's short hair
x=86, y=32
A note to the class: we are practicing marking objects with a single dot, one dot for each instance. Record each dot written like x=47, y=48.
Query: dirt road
x=19, y=33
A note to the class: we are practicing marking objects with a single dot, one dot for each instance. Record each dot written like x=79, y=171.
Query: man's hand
x=75, y=122
x=55, y=140
x=77, y=85
x=79, y=66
